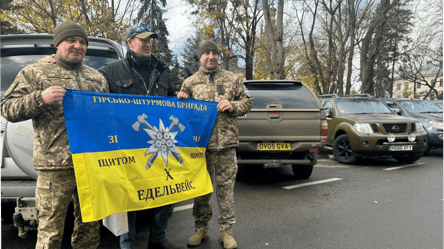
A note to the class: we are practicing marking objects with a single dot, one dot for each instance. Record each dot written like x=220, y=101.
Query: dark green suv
x=362, y=125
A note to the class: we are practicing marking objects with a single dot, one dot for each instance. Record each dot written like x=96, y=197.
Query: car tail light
x=324, y=127
x=313, y=149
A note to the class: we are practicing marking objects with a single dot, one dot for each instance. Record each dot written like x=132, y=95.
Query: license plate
x=400, y=147
x=273, y=146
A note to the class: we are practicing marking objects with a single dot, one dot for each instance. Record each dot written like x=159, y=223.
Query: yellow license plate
x=274, y=146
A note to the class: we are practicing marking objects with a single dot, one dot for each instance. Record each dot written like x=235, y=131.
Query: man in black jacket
x=141, y=73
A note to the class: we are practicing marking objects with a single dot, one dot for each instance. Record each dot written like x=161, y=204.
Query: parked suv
x=286, y=126
x=18, y=177
x=363, y=125
x=427, y=113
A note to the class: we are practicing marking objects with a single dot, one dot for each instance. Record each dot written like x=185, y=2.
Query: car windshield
x=11, y=66
x=289, y=95
x=419, y=106
x=361, y=106
x=438, y=104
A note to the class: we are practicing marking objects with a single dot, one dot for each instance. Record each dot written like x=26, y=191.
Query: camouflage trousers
x=222, y=167
x=55, y=190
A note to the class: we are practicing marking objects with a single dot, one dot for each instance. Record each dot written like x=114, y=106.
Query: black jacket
x=123, y=78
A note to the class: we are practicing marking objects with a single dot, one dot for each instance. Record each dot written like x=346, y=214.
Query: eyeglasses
x=141, y=29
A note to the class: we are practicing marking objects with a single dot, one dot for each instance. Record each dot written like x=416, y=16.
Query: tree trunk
x=249, y=56
x=370, y=47
x=352, y=28
x=275, y=36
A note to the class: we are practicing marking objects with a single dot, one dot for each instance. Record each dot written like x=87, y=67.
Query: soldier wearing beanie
x=37, y=94
x=207, y=46
x=215, y=84
x=68, y=29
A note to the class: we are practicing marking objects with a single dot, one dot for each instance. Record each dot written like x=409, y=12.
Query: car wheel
x=342, y=150
x=407, y=158
x=302, y=171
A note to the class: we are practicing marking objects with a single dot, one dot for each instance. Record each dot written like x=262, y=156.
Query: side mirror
x=396, y=110
x=328, y=112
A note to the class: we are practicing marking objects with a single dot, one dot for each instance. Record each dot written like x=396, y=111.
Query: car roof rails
x=324, y=96
x=271, y=82
x=361, y=95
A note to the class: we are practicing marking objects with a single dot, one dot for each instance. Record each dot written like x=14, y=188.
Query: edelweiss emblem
x=162, y=142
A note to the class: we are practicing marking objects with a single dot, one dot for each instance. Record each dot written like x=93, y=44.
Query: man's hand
x=53, y=94
x=50, y=60
x=225, y=105
x=182, y=95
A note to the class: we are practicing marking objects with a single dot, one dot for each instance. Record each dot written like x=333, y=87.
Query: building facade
x=406, y=88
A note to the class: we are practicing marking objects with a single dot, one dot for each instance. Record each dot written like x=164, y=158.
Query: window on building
x=399, y=86
x=406, y=85
x=418, y=85
x=440, y=82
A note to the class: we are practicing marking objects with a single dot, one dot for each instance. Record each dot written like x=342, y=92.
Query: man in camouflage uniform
x=215, y=84
x=36, y=94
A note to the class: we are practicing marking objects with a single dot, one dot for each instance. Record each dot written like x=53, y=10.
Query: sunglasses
x=141, y=29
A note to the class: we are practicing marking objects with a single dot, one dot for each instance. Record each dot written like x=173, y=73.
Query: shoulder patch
x=12, y=87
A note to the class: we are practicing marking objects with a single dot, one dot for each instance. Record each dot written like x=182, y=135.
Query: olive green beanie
x=68, y=29
x=207, y=46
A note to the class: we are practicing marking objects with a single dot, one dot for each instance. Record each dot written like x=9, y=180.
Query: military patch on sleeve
x=246, y=90
x=12, y=87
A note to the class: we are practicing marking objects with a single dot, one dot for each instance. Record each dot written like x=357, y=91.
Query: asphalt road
x=375, y=203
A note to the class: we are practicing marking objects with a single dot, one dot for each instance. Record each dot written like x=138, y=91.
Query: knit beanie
x=207, y=46
x=68, y=29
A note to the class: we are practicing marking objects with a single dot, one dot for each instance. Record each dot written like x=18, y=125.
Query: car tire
x=302, y=171
x=342, y=150
x=407, y=158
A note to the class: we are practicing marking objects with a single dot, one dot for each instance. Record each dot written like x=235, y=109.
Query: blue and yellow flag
x=134, y=152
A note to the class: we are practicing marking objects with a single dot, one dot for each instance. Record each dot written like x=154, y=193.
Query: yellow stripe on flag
x=118, y=181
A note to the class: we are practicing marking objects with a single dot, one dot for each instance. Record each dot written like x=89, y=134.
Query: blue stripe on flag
x=108, y=122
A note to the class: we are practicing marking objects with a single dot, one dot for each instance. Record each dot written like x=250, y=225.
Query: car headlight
x=430, y=124
x=419, y=127
x=363, y=127
x=427, y=123
x=437, y=124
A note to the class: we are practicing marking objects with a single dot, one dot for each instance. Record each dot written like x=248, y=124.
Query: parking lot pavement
x=363, y=205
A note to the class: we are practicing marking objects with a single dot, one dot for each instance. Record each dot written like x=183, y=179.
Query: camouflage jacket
x=219, y=85
x=23, y=101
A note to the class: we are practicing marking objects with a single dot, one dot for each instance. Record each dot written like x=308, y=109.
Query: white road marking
x=405, y=166
x=331, y=166
x=181, y=208
x=312, y=183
